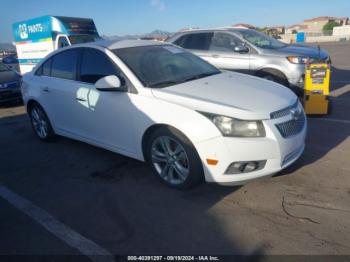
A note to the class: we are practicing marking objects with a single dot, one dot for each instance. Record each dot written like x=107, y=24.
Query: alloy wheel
x=39, y=123
x=170, y=160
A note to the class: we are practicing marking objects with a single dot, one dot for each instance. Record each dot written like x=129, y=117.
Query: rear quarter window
x=196, y=41
x=44, y=69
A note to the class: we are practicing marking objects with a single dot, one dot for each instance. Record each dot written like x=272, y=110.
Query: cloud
x=158, y=4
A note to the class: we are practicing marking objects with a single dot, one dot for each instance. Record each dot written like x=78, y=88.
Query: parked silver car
x=252, y=52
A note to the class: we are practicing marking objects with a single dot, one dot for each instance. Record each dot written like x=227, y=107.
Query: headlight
x=299, y=59
x=237, y=128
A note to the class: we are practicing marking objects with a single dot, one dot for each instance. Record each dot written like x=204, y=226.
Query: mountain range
x=154, y=34
x=7, y=47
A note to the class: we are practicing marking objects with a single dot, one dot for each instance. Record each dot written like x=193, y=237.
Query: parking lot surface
x=118, y=204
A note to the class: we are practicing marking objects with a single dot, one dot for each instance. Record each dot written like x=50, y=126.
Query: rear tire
x=41, y=123
x=173, y=158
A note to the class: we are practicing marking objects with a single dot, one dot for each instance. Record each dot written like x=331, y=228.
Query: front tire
x=276, y=79
x=41, y=123
x=173, y=158
x=274, y=76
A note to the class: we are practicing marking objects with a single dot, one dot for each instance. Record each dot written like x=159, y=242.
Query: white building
x=342, y=31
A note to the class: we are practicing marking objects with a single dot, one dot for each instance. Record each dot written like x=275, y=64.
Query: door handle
x=81, y=99
x=45, y=88
x=215, y=56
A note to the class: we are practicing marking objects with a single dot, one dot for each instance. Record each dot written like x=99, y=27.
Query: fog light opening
x=245, y=167
x=250, y=166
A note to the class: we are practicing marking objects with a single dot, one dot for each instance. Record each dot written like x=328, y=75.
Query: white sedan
x=159, y=103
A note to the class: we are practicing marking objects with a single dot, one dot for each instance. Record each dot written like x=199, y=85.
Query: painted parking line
x=340, y=91
x=331, y=120
x=60, y=230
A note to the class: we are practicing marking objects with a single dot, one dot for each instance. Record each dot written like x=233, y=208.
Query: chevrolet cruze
x=161, y=104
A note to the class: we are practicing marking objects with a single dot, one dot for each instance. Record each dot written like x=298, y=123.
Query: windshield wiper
x=195, y=77
x=175, y=82
x=164, y=83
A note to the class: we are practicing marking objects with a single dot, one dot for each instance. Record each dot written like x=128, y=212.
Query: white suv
x=160, y=103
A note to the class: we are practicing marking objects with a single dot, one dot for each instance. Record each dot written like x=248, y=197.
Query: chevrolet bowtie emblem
x=296, y=113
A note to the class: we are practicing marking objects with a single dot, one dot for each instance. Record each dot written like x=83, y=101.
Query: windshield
x=80, y=39
x=164, y=65
x=261, y=40
x=3, y=68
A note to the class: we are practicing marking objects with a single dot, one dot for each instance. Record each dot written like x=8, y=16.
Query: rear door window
x=64, y=65
x=196, y=41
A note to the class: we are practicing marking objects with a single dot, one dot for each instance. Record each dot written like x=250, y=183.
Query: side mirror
x=241, y=49
x=110, y=83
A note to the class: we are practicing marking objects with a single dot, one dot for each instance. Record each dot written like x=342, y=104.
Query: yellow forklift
x=316, y=89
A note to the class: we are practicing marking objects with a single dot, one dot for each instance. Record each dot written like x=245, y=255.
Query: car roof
x=232, y=29
x=109, y=44
x=236, y=30
x=119, y=44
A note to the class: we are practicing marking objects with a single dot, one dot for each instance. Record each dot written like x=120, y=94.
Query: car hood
x=8, y=76
x=302, y=50
x=230, y=94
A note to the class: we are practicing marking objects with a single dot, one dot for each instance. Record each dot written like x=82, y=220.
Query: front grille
x=4, y=95
x=292, y=127
x=283, y=112
x=12, y=84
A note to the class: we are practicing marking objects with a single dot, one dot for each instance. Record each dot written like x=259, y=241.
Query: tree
x=328, y=28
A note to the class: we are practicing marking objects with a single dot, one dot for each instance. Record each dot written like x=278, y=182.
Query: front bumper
x=278, y=152
x=295, y=77
x=10, y=94
x=297, y=85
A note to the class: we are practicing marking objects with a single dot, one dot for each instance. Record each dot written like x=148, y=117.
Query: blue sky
x=116, y=17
